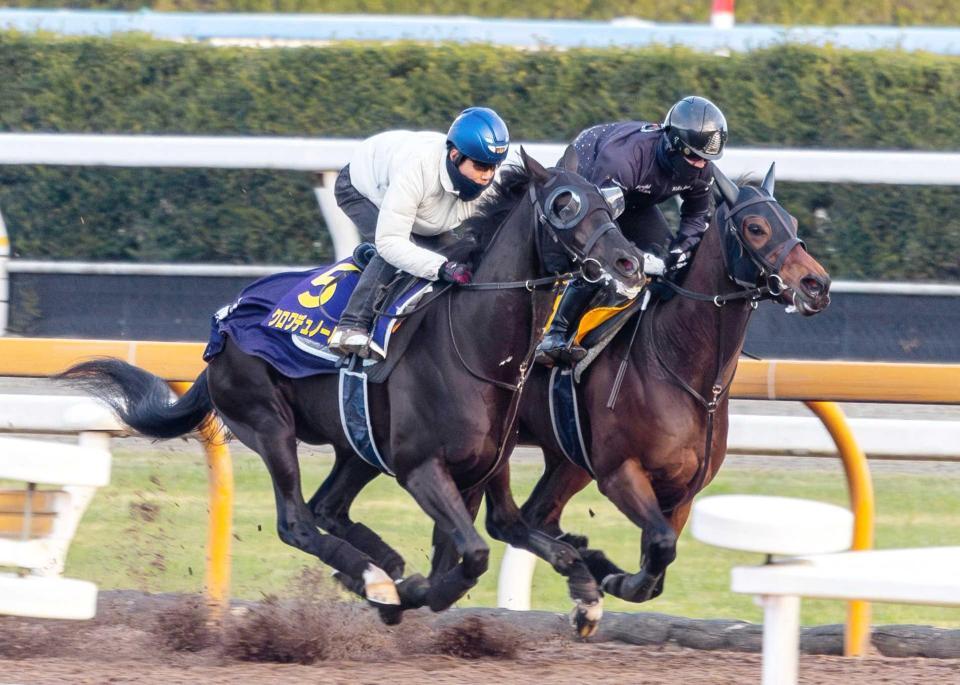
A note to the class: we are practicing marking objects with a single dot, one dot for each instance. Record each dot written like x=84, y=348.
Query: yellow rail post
x=220, y=478
x=857, y=634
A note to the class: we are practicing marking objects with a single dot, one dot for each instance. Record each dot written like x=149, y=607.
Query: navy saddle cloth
x=286, y=319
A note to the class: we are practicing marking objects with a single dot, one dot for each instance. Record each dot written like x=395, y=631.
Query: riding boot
x=352, y=334
x=557, y=345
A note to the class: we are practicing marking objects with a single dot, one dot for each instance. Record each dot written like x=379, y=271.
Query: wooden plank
x=11, y=525
x=42, y=501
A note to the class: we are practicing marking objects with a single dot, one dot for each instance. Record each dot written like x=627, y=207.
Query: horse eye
x=755, y=229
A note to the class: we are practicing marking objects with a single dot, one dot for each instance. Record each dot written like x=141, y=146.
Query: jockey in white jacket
x=407, y=191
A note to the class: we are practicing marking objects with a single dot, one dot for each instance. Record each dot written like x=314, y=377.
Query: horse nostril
x=628, y=265
x=813, y=286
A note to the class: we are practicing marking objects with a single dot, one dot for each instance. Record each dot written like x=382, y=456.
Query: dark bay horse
x=666, y=436
x=443, y=419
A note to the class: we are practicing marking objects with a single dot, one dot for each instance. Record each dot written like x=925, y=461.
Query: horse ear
x=533, y=167
x=570, y=160
x=768, y=180
x=729, y=191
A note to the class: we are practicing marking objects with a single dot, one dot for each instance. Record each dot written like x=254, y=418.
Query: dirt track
x=140, y=638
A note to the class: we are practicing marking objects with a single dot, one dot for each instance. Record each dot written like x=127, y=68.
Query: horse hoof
x=413, y=591
x=379, y=588
x=585, y=617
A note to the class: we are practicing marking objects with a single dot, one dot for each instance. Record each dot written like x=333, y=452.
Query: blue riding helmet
x=480, y=134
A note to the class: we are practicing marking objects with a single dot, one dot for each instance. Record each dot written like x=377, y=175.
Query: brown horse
x=444, y=416
x=666, y=435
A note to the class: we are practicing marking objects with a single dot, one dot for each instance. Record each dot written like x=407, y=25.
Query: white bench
x=784, y=526
x=37, y=525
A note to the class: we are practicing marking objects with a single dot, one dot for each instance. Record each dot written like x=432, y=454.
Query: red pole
x=721, y=14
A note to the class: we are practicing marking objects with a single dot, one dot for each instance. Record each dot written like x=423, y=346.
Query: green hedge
x=902, y=12
x=787, y=96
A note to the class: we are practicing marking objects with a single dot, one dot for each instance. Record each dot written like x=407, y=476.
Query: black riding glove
x=455, y=272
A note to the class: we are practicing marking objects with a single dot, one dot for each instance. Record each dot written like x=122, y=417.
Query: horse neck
x=501, y=319
x=693, y=335
x=511, y=253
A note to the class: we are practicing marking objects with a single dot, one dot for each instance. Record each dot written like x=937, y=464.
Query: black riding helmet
x=696, y=126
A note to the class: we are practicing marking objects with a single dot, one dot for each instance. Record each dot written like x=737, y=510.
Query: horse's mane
x=494, y=208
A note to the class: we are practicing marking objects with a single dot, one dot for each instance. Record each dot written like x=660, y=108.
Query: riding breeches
x=362, y=212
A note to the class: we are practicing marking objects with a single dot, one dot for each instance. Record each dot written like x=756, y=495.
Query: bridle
x=569, y=217
x=765, y=268
x=757, y=277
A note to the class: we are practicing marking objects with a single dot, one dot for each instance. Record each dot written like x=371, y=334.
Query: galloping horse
x=445, y=415
x=654, y=403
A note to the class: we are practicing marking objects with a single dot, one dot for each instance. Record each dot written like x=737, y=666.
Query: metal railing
x=267, y=30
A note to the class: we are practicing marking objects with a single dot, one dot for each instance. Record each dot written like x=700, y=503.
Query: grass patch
x=147, y=530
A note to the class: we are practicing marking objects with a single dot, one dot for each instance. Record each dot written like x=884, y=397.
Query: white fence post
x=781, y=639
x=516, y=579
x=342, y=231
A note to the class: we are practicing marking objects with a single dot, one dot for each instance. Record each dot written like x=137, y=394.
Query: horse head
x=575, y=216
x=761, y=247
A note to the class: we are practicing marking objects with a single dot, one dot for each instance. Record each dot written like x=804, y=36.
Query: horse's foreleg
x=560, y=481
x=506, y=523
x=444, y=555
x=628, y=487
x=432, y=486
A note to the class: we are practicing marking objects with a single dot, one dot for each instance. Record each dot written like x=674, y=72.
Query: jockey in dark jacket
x=648, y=163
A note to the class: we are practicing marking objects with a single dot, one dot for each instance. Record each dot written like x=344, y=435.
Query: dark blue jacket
x=630, y=154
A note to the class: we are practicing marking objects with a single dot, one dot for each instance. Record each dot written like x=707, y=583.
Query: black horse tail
x=140, y=399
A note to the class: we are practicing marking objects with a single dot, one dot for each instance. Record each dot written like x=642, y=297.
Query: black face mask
x=673, y=162
x=466, y=189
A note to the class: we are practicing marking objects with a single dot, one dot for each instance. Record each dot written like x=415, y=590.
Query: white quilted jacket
x=404, y=174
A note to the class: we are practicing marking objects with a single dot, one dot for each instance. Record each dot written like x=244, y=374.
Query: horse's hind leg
x=254, y=409
x=505, y=523
x=629, y=489
x=296, y=525
x=560, y=481
x=331, y=508
x=432, y=486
